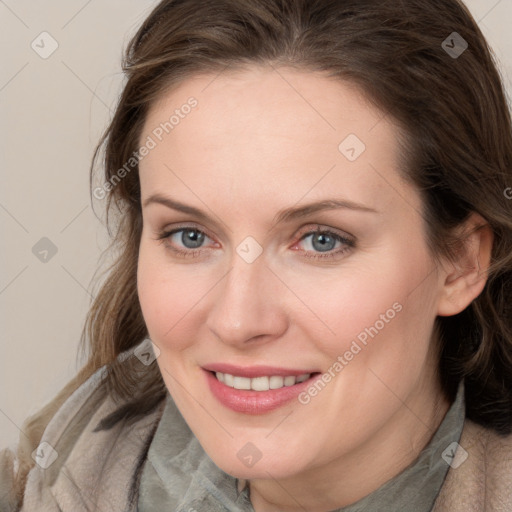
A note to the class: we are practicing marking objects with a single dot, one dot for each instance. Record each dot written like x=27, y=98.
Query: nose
x=247, y=307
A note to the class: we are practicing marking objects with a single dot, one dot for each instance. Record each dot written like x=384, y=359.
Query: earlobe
x=465, y=275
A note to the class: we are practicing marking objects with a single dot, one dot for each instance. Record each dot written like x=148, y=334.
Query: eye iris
x=322, y=242
x=192, y=238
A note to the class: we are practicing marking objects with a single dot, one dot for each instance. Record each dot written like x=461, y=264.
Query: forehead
x=281, y=131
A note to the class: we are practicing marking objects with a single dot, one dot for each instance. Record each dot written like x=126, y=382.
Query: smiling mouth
x=263, y=383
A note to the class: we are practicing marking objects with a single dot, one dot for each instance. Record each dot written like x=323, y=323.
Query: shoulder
x=50, y=422
x=481, y=474
x=72, y=443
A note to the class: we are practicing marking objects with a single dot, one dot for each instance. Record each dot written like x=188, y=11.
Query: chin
x=260, y=469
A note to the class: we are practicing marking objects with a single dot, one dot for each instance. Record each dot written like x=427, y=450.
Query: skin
x=259, y=141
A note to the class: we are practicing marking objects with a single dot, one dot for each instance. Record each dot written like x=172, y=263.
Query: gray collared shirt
x=179, y=476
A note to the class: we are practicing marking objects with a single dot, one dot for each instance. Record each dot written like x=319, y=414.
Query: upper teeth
x=260, y=383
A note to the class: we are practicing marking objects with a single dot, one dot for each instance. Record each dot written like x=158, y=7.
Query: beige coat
x=80, y=470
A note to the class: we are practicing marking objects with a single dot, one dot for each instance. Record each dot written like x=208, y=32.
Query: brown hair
x=458, y=152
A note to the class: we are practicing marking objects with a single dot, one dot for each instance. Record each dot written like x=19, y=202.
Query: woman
x=311, y=306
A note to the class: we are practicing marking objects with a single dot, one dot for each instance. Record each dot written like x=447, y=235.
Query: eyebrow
x=328, y=204
x=175, y=205
x=285, y=215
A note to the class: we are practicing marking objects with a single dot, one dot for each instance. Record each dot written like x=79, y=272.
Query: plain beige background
x=53, y=110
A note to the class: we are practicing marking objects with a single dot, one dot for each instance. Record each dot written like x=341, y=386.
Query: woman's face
x=292, y=246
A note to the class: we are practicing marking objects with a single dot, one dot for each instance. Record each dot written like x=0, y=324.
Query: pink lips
x=250, y=401
x=255, y=371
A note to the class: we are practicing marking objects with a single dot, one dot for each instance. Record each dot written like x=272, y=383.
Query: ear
x=465, y=275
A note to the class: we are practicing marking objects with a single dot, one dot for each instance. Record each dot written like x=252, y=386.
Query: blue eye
x=186, y=241
x=324, y=244
x=189, y=241
x=190, y=238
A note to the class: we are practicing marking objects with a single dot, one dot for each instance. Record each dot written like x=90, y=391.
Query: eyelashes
x=195, y=236
x=322, y=243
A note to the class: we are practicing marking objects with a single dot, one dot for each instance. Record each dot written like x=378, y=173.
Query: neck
x=353, y=476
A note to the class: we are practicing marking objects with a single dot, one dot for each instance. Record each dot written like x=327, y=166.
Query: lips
x=257, y=371
x=256, y=401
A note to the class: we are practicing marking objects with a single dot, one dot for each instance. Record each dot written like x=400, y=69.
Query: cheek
x=174, y=297
x=372, y=310
x=343, y=304
x=165, y=295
